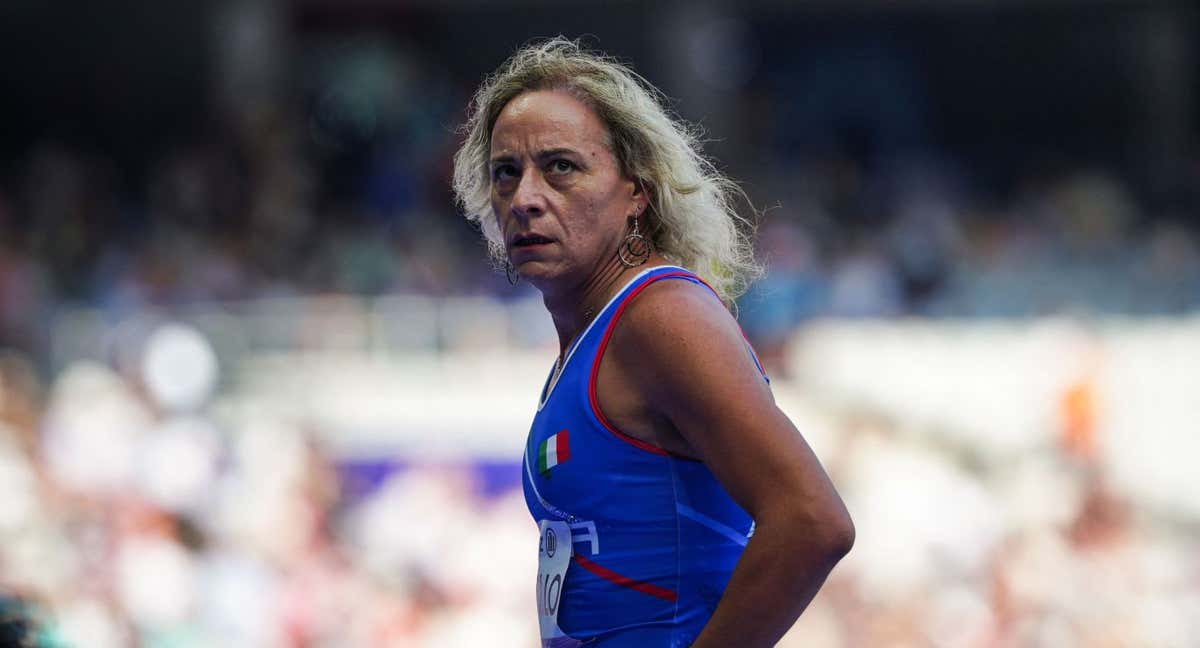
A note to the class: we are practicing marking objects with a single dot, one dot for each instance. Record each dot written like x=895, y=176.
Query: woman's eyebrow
x=555, y=152
x=543, y=154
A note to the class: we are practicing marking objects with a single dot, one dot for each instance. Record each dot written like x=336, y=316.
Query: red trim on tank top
x=625, y=581
x=595, y=401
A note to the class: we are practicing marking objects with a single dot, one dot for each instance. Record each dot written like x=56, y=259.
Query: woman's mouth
x=530, y=240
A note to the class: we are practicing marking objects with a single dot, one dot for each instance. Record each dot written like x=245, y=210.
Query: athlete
x=676, y=504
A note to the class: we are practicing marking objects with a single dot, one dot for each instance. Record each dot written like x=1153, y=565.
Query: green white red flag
x=554, y=450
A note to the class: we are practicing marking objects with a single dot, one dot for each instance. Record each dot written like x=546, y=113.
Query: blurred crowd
x=136, y=514
x=141, y=509
x=145, y=504
x=226, y=219
x=231, y=219
x=1035, y=550
x=340, y=184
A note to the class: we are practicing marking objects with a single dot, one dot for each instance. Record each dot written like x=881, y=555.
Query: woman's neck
x=572, y=312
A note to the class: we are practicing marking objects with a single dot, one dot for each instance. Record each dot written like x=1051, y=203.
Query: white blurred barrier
x=1000, y=389
x=460, y=375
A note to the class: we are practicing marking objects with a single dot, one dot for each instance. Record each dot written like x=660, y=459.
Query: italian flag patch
x=554, y=450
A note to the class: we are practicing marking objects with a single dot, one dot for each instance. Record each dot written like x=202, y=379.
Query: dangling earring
x=511, y=273
x=635, y=249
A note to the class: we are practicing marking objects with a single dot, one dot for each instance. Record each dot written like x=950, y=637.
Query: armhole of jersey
x=754, y=356
x=594, y=399
x=749, y=347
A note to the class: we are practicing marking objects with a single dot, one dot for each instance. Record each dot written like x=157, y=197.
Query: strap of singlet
x=611, y=326
x=697, y=279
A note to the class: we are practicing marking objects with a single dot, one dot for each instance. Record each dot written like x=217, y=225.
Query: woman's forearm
x=783, y=567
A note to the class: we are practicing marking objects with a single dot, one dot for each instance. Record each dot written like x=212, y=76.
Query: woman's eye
x=503, y=172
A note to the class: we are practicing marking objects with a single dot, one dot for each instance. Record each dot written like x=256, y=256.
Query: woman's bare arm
x=685, y=352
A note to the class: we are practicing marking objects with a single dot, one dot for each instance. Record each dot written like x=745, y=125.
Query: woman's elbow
x=841, y=534
x=828, y=531
x=835, y=532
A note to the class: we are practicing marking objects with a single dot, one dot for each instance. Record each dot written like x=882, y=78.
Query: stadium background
x=259, y=386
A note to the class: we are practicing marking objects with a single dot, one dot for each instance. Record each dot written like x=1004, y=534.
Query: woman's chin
x=535, y=271
x=543, y=275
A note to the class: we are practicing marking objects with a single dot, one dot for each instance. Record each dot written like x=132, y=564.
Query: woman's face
x=557, y=190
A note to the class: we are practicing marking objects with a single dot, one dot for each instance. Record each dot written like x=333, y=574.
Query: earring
x=511, y=273
x=635, y=249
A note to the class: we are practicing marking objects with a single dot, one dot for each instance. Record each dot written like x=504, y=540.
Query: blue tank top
x=655, y=537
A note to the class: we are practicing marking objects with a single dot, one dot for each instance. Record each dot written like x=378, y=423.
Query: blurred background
x=260, y=387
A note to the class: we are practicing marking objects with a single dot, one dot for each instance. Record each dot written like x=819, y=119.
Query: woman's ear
x=641, y=197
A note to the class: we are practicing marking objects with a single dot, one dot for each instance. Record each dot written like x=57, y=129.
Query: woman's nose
x=530, y=197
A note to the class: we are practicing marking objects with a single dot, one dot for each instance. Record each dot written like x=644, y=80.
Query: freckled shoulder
x=673, y=318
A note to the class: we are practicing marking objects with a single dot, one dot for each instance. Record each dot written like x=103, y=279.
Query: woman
x=677, y=505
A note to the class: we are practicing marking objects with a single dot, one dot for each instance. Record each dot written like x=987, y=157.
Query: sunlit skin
x=555, y=176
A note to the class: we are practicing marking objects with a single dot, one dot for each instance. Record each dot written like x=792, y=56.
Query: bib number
x=554, y=556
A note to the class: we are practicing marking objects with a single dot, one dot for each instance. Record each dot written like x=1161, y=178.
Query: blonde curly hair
x=693, y=219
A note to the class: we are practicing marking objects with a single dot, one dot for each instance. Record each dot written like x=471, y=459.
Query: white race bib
x=554, y=556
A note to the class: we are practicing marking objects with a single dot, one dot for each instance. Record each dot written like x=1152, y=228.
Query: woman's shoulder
x=676, y=311
x=685, y=353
